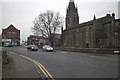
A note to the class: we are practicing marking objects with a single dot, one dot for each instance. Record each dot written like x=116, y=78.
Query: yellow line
x=46, y=73
x=36, y=64
x=41, y=69
x=37, y=69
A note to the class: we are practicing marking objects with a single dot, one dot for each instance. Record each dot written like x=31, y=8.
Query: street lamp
x=4, y=40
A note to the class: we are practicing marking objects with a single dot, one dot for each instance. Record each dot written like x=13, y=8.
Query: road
x=62, y=64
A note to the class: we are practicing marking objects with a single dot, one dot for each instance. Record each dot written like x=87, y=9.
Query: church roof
x=118, y=20
x=71, y=0
x=71, y=7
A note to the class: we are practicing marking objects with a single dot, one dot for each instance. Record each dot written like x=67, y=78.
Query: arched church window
x=74, y=19
x=68, y=19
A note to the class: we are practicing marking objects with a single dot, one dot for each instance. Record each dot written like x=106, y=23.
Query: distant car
x=47, y=48
x=8, y=45
x=32, y=48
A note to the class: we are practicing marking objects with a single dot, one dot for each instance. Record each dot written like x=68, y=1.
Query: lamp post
x=36, y=41
x=4, y=40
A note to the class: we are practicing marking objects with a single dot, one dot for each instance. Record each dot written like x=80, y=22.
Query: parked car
x=47, y=48
x=32, y=48
x=8, y=45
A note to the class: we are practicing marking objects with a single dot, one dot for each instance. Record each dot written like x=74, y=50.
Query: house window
x=11, y=34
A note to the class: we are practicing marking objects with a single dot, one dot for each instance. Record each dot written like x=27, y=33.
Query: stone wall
x=97, y=33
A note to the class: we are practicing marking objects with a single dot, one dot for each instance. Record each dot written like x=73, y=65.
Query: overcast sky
x=22, y=13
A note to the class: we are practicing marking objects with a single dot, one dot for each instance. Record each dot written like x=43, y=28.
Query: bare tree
x=47, y=24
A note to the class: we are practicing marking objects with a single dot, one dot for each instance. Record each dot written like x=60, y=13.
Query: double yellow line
x=40, y=66
x=46, y=73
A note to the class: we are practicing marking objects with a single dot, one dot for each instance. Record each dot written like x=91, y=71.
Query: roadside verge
x=19, y=67
x=25, y=67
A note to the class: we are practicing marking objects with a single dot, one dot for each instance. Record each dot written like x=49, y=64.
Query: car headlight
x=48, y=48
x=32, y=47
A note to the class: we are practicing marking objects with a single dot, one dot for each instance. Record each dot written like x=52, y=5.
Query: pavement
x=22, y=68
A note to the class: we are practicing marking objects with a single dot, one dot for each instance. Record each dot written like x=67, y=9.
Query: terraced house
x=103, y=32
x=10, y=36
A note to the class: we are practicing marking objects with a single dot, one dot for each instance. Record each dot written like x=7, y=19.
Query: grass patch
x=7, y=64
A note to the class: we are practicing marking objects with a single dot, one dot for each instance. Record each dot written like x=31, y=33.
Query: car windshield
x=31, y=46
x=48, y=46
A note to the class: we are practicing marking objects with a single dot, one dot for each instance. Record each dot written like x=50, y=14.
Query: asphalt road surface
x=62, y=64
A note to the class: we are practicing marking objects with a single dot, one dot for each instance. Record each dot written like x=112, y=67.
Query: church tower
x=72, y=18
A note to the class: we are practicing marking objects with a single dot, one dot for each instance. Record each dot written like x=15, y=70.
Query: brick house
x=40, y=41
x=36, y=40
x=10, y=35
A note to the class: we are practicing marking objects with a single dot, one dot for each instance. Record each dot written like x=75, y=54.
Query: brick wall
x=6, y=33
